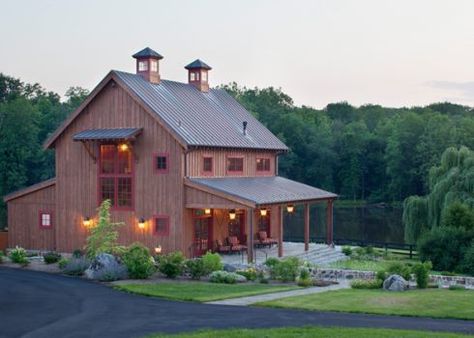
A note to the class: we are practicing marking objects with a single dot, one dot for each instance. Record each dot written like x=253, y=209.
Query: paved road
x=35, y=304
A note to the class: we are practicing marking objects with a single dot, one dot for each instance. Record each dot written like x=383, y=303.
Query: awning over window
x=107, y=134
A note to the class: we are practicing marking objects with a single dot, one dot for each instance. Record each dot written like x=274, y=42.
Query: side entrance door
x=202, y=235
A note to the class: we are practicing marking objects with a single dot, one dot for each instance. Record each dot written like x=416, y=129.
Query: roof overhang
x=110, y=134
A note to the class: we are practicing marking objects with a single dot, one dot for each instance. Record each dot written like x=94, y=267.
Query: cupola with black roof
x=148, y=64
x=198, y=75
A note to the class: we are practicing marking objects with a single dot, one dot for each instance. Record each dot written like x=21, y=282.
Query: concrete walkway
x=244, y=301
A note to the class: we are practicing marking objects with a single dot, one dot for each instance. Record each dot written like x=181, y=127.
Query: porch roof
x=107, y=134
x=262, y=190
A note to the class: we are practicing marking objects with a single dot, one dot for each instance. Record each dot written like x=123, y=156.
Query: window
x=192, y=77
x=154, y=65
x=207, y=165
x=45, y=220
x=142, y=66
x=204, y=76
x=116, y=176
x=161, y=164
x=162, y=225
x=263, y=164
x=197, y=76
x=235, y=164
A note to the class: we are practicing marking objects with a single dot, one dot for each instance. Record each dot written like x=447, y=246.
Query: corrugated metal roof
x=212, y=119
x=264, y=190
x=107, y=134
x=198, y=64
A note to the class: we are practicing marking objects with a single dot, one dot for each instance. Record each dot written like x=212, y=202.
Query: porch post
x=280, y=233
x=306, y=226
x=250, y=213
x=329, y=222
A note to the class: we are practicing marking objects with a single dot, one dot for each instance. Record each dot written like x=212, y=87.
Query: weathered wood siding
x=195, y=162
x=154, y=194
x=23, y=220
x=200, y=199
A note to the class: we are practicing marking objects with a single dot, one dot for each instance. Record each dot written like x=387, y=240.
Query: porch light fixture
x=158, y=250
x=263, y=212
x=123, y=146
x=141, y=223
x=86, y=222
x=207, y=211
x=232, y=214
x=290, y=208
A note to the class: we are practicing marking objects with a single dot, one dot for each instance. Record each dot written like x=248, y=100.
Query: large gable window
x=235, y=164
x=116, y=175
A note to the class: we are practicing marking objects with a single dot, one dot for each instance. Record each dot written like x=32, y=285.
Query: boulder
x=230, y=268
x=395, y=283
x=106, y=267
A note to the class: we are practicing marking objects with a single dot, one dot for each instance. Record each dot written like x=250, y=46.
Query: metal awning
x=107, y=134
x=263, y=190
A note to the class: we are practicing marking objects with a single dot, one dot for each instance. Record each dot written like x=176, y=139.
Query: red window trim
x=211, y=172
x=161, y=171
x=167, y=230
x=236, y=172
x=115, y=177
x=40, y=219
x=262, y=172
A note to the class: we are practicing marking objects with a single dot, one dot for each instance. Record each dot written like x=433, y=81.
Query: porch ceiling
x=259, y=191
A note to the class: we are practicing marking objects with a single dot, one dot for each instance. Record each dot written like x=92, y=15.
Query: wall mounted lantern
x=123, y=147
x=86, y=222
x=290, y=208
x=232, y=214
x=158, y=250
x=207, y=211
x=141, y=223
x=263, y=212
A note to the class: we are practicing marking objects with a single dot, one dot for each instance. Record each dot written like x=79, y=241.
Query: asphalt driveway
x=35, y=304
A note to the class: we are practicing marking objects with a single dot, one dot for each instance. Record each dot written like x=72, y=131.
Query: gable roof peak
x=147, y=53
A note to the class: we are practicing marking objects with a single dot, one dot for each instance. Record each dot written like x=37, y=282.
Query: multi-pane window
x=207, y=165
x=263, y=164
x=142, y=66
x=154, y=65
x=116, y=176
x=161, y=163
x=162, y=225
x=192, y=76
x=45, y=220
x=204, y=76
x=235, y=164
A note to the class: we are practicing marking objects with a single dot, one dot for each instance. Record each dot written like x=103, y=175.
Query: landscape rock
x=230, y=268
x=395, y=283
x=106, y=267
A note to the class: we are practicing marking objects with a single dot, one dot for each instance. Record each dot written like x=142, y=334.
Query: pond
x=358, y=223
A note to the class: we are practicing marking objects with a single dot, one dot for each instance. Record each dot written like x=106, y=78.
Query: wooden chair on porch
x=235, y=245
x=221, y=247
x=264, y=240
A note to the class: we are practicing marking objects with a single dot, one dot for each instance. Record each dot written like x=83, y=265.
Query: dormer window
x=154, y=65
x=142, y=66
x=192, y=77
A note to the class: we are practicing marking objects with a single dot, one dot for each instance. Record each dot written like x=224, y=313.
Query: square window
x=45, y=220
x=235, y=164
x=207, y=165
x=162, y=225
x=142, y=66
x=161, y=163
x=154, y=65
x=263, y=164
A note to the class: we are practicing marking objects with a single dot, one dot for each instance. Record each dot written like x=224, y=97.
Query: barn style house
x=185, y=167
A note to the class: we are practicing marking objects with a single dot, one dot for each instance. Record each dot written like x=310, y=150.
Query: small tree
x=421, y=271
x=103, y=237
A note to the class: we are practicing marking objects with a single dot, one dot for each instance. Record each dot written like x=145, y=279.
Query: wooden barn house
x=186, y=167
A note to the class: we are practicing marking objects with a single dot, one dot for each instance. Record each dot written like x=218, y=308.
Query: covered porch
x=240, y=214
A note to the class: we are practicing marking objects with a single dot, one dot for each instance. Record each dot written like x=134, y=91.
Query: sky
x=392, y=53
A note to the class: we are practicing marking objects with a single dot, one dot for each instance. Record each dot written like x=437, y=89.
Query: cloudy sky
x=394, y=53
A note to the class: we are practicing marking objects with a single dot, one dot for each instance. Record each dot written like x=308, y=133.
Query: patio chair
x=221, y=248
x=235, y=245
x=264, y=240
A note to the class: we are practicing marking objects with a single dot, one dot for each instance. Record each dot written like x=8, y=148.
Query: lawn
x=436, y=303
x=313, y=332
x=368, y=265
x=201, y=291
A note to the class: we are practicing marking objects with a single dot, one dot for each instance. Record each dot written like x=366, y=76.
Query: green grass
x=201, y=291
x=368, y=265
x=436, y=303
x=313, y=332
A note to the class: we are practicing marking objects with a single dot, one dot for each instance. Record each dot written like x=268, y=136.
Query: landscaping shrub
x=62, y=263
x=398, y=268
x=456, y=287
x=196, y=268
x=172, y=264
x=381, y=275
x=76, y=266
x=271, y=262
x=139, y=262
x=77, y=253
x=51, y=257
x=421, y=271
x=226, y=277
x=1, y=257
x=366, y=284
x=19, y=256
x=106, y=268
x=249, y=274
x=212, y=262
x=285, y=270
x=304, y=278
x=347, y=250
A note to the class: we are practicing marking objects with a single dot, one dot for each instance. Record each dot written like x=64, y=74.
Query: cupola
x=198, y=75
x=148, y=64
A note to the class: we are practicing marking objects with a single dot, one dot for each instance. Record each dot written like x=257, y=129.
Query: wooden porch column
x=306, y=226
x=250, y=215
x=329, y=222
x=280, y=232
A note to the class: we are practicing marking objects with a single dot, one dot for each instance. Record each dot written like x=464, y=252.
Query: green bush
x=421, y=271
x=467, y=263
x=271, y=262
x=456, y=287
x=250, y=273
x=62, y=263
x=366, y=284
x=381, y=275
x=398, y=268
x=1, y=257
x=196, y=268
x=140, y=264
x=77, y=253
x=369, y=250
x=225, y=277
x=304, y=278
x=285, y=270
x=51, y=257
x=212, y=262
x=347, y=250
x=172, y=264
x=76, y=266
x=19, y=256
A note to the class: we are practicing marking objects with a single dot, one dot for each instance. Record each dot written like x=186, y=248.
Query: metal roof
x=198, y=64
x=264, y=190
x=107, y=134
x=147, y=52
x=209, y=119
x=30, y=189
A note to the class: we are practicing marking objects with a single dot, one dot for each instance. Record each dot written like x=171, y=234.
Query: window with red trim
x=263, y=164
x=235, y=164
x=161, y=163
x=161, y=226
x=207, y=165
x=45, y=220
x=116, y=175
